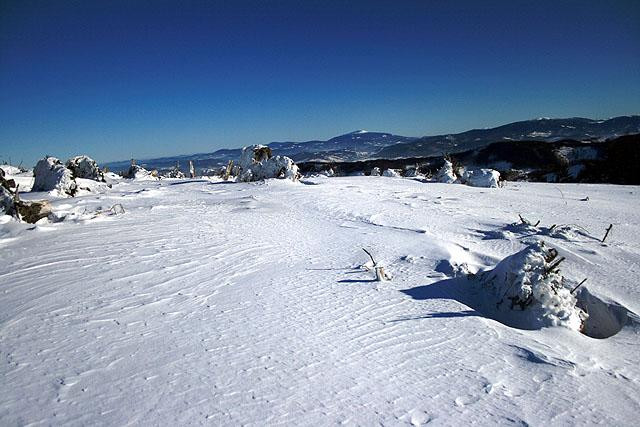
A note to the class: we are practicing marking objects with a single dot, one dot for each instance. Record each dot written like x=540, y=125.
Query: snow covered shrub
x=391, y=173
x=8, y=196
x=85, y=167
x=375, y=171
x=7, y=202
x=488, y=178
x=413, y=172
x=257, y=163
x=175, y=172
x=51, y=175
x=446, y=173
x=527, y=290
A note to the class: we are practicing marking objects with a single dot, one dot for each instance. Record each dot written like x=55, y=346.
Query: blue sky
x=140, y=79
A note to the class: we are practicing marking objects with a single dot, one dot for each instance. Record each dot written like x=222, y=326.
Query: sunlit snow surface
x=235, y=304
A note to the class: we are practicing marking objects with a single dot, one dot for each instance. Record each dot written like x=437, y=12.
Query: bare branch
x=579, y=284
x=370, y=256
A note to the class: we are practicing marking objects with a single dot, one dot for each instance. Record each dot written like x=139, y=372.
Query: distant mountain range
x=364, y=145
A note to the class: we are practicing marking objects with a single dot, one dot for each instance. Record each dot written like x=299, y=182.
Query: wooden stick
x=579, y=284
x=607, y=233
x=370, y=256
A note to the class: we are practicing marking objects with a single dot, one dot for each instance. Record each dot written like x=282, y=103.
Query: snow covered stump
x=51, y=175
x=258, y=163
x=526, y=290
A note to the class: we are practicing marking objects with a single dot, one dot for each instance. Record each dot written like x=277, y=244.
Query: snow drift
x=258, y=163
x=526, y=290
x=51, y=175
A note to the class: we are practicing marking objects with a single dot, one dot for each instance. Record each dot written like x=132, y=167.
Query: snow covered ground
x=221, y=303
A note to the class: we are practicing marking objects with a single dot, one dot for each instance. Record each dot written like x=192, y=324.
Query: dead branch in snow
x=579, y=284
x=527, y=222
x=381, y=275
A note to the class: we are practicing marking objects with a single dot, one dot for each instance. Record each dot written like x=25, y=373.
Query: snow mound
x=446, y=175
x=529, y=292
x=10, y=170
x=391, y=173
x=85, y=167
x=257, y=163
x=52, y=176
x=487, y=178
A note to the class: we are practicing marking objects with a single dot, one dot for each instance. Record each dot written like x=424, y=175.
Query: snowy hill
x=210, y=302
x=364, y=145
x=542, y=129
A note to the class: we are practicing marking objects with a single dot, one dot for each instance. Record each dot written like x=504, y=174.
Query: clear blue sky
x=120, y=79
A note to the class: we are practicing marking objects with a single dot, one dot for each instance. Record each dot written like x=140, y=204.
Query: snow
x=539, y=134
x=245, y=303
x=10, y=170
x=488, y=178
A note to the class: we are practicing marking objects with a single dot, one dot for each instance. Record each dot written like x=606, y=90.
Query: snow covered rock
x=446, y=174
x=391, y=173
x=526, y=290
x=140, y=173
x=375, y=171
x=257, y=163
x=85, y=167
x=488, y=178
x=51, y=175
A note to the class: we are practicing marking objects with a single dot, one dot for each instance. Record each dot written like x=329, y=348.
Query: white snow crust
x=207, y=302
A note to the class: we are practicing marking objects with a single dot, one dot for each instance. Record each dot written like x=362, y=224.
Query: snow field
x=232, y=304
